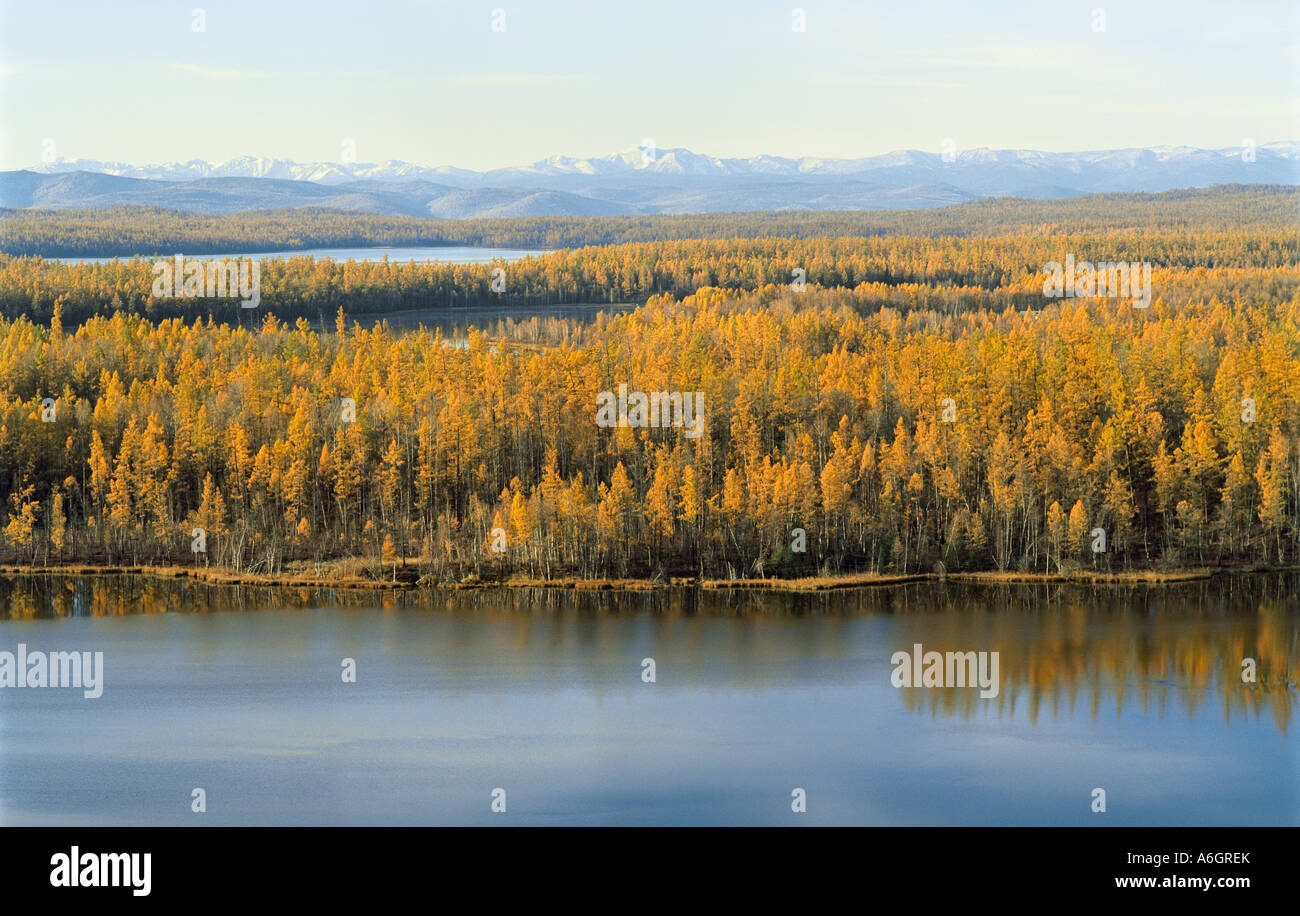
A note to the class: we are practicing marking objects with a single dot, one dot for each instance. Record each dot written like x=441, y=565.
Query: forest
x=130, y=231
x=914, y=405
x=949, y=273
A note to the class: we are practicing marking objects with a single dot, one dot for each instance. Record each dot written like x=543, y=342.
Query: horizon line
x=1294, y=143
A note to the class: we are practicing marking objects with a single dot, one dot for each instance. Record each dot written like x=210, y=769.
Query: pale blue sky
x=432, y=83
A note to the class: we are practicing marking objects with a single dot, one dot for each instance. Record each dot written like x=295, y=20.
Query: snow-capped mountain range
x=679, y=163
x=643, y=180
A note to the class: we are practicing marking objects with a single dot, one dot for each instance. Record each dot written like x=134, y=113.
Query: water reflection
x=1061, y=648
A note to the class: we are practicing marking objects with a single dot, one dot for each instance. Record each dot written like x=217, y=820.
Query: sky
x=497, y=83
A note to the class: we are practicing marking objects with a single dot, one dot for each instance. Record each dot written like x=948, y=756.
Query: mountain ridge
x=673, y=162
x=641, y=182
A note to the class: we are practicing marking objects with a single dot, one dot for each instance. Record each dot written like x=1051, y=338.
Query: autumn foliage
x=825, y=412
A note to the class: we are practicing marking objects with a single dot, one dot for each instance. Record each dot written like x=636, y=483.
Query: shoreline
x=215, y=576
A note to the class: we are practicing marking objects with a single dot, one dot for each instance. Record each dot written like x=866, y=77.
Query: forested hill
x=128, y=231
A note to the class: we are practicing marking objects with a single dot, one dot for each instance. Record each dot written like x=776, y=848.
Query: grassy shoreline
x=325, y=579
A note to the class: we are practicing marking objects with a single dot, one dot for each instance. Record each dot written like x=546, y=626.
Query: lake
x=449, y=254
x=239, y=691
x=454, y=323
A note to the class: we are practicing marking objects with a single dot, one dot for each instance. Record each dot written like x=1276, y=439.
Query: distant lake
x=454, y=323
x=450, y=254
x=238, y=690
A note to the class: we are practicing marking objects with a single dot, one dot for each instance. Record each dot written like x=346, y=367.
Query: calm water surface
x=539, y=692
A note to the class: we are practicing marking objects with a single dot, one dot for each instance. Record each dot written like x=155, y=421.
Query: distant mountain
x=636, y=181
